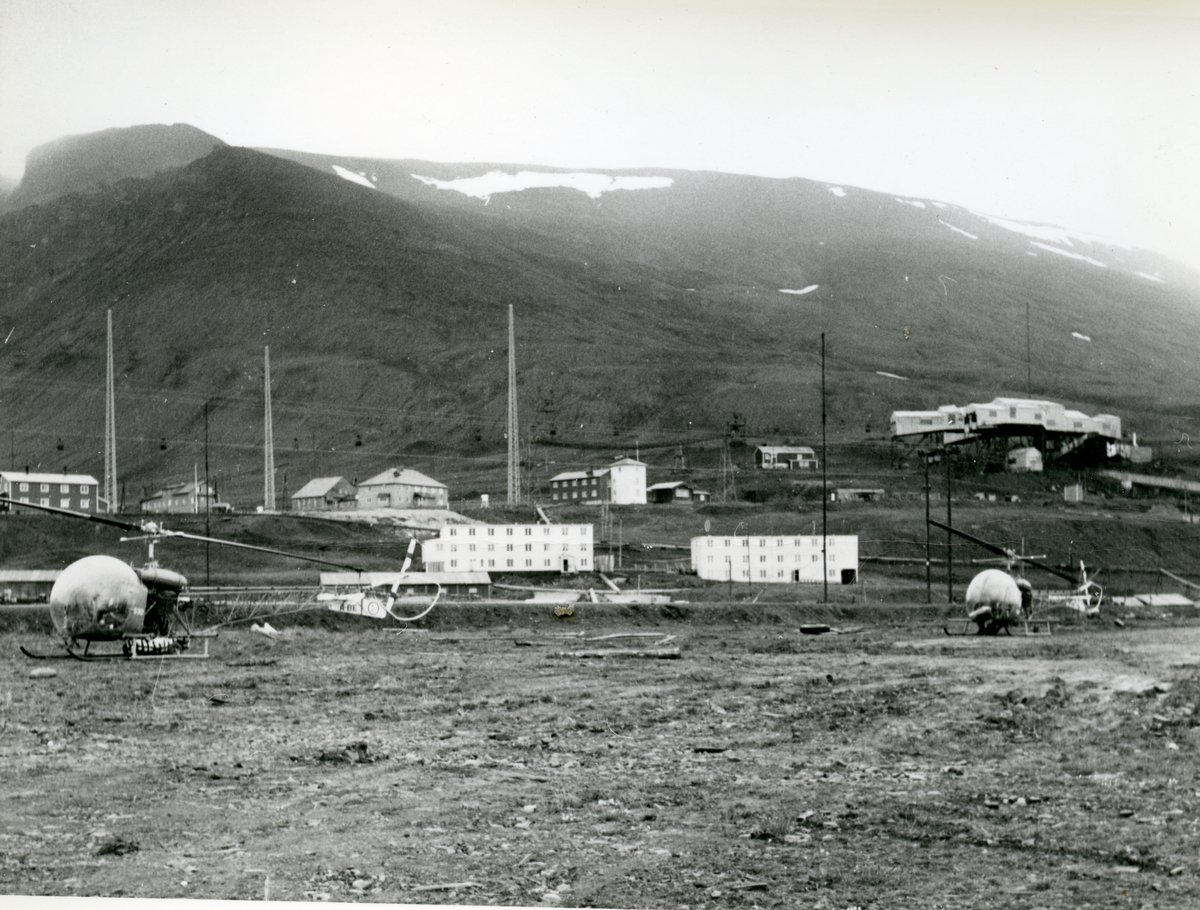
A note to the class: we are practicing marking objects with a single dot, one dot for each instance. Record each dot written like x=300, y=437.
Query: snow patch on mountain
x=960, y=230
x=1050, y=233
x=837, y=191
x=1149, y=277
x=890, y=375
x=912, y=202
x=811, y=287
x=1068, y=254
x=359, y=177
x=499, y=182
x=1081, y=337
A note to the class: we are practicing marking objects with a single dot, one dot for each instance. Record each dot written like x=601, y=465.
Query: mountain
x=76, y=164
x=643, y=316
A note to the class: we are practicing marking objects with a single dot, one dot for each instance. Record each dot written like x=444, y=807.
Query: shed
x=785, y=458
x=26, y=586
x=1027, y=459
x=858, y=494
x=671, y=491
x=454, y=584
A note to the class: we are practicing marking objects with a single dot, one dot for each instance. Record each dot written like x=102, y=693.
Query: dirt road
x=760, y=768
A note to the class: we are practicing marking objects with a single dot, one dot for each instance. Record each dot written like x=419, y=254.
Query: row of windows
x=572, y=483
x=575, y=494
x=62, y=488
x=816, y=557
x=491, y=532
x=546, y=563
x=566, y=547
x=62, y=503
x=762, y=542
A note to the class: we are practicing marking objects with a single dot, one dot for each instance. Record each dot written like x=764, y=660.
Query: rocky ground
x=760, y=768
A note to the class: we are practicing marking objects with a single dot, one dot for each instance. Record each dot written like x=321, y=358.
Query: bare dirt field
x=761, y=768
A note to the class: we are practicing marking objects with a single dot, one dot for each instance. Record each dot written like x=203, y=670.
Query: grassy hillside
x=642, y=316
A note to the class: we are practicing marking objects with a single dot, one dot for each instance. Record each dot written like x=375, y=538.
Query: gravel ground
x=759, y=768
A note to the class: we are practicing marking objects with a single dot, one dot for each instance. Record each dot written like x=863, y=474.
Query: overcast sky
x=1080, y=114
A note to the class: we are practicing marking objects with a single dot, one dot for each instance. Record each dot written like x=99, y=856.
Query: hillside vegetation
x=646, y=315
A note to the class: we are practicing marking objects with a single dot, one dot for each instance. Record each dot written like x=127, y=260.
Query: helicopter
x=101, y=599
x=997, y=601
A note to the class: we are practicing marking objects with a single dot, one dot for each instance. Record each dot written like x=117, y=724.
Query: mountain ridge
x=641, y=314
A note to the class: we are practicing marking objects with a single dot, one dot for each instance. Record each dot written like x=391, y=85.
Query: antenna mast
x=110, y=430
x=514, y=448
x=268, y=437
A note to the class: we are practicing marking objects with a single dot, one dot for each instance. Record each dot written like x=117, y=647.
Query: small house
x=191, y=498
x=325, y=494
x=402, y=488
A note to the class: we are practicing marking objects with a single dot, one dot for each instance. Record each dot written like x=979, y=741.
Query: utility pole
x=824, y=485
x=928, y=546
x=514, y=445
x=110, y=429
x=207, y=499
x=1028, y=355
x=949, y=524
x=268, y=437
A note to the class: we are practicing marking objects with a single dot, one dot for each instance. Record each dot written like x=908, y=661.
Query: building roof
x=19, y=576
x=318, y=486
x=627, y=461
x=181, y=489
x=579, y=475
x=405, y=476
x=331, y=579
x=787, y=450
x=22, y=477
x=667, y=485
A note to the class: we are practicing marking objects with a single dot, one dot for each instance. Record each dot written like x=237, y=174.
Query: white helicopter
x=101, y=599
x=997, y=602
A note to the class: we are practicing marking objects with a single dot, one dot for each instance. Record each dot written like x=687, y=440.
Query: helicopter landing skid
x=34, y=656
x=1025, y=629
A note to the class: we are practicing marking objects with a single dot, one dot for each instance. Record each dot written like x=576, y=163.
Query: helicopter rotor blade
x=157, y=533
x=166, y=535
x=999, y=551
x=1006, y=553
x=86, y=516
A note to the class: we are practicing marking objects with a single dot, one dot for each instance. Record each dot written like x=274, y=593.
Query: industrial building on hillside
x=325, y=494
x=191, y=498
x=1003, y=416
x=402, y=488
x=776, y=560
x=622, y=483
x=786, y=458
x=77, y=492
x=1022, y=425
x=519, y=548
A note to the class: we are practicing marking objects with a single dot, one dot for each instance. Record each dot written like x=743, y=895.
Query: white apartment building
x=776, y=559
x=559, y=549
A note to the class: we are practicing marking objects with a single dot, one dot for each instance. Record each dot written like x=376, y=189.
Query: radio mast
x=110, y=430
x=514, y=447
x=268, y=437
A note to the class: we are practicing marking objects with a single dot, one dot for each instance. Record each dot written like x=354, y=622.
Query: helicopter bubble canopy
x=98, y=598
